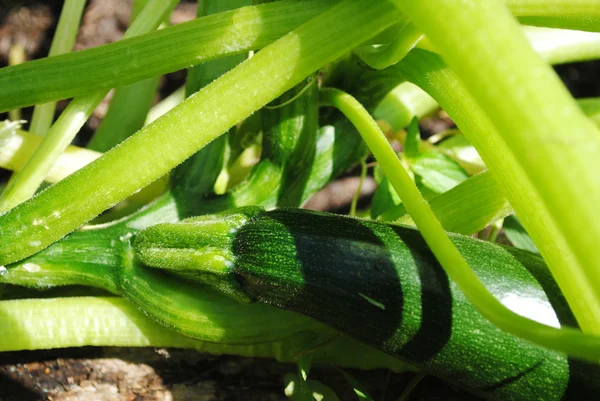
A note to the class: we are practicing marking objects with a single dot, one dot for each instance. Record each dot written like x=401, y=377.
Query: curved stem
x=570, y=341
x=383, y=57
x=554, y=144
x=17, y=146
x=63, y=42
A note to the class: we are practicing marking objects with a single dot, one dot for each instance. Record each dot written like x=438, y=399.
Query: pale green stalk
x=200, y=75
x=428, y=71
x=27, y=181
x=161, y=52
x=126, y=114
x=553, y=142
x=403, y=103
x=165, y=105
x=63, y=42
x=568, y=340
x=211, y=158
x=16, y=56
x=128, y=107
x=568, y=14
x=36, y=324
x=549, y=8
x=17, y=146
x=557, y=46
x=152, y=152
x=380, y=57
x=363, y=176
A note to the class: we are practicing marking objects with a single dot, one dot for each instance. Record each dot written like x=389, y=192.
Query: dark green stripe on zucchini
x=381, y=284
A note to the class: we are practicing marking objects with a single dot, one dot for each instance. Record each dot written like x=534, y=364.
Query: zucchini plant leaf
x=517, y=235
x=385, y=197
x=402, y=103
x=317, y=390
x=296, y=388
x=459, y=149
x=413, y=139
x=591, y=108
x=437, y=171
x=359, y=389
x=467, y=208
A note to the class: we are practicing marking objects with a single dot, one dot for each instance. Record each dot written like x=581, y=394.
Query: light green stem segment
x=33, y=324
x=567, y=340
x=126, y=114
x=555, y=145
x=172, y=49
x=63, y=42
x=128, y=108
x=381, y=57
x=27, y=181
x=165, y=105
x=549, y=8
x=198, y=76
x=153, y=54
x=570, y=14
x=17, y=146
x=16, y=56
x=152, y=152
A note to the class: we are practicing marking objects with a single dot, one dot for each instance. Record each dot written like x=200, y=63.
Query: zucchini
x=381, y=284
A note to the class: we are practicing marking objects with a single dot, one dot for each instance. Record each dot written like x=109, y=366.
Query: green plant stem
x=210, y=159
x=403, y=103
x=152, y=152
x=201, y=75
x=572, y=14
x=363, y=175
x=134, y=59
x=557, y=46
x=382, y=57
x=128, y=108
x=112, y=321
x=467, y=208
x=27, y=181
x=126, y=114
x=165, y=105
x=428, y=71
x=495, y=229
x=553, y=142
x=16, y=56
x=63, y=42
x=549, y=8
x=17, y=146
x=411, y=386
x=567, y=340
x=164, y=51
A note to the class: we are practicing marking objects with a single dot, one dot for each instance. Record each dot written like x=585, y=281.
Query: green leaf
x=403, y=103
x=296, y=388
x=460, y=150
x=437, y=171
x=384, y=198
x=517, y=235
x=413, y=139
x=359, y=389
x=317, y=391
x=467, y=208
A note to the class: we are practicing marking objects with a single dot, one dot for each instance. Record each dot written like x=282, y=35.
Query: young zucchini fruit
x=381, y=284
